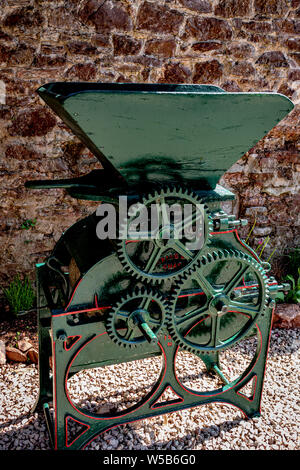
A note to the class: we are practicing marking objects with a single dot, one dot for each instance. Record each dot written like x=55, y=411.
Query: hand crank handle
x=146, y=330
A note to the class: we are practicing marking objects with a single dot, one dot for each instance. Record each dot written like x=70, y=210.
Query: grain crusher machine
x=118, y=301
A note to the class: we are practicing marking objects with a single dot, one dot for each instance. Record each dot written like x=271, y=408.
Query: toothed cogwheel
x=172, y=247
x=137, y=318
x=218, y=304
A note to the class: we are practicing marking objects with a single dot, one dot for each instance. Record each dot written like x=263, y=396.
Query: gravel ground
x=213, y=426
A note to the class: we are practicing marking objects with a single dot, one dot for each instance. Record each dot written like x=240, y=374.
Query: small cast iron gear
x=217, y=302
x=182, y=258
x=137, y=318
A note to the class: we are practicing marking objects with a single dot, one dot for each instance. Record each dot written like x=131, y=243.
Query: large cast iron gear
x=137, y=318
x=216, y=305
x=155, y=259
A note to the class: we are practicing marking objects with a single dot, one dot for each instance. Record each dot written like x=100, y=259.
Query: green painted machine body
x=108, y=302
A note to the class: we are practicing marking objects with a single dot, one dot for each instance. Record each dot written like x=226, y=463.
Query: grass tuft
x=20, y=295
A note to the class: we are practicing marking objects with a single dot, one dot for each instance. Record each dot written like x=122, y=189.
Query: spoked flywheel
x=219, y=302
x=137, y=318
x=176, y=241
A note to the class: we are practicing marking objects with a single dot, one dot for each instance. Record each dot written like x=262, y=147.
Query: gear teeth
x=156, y=279
x=142, y=292
x=136, y=291
x=205, y=260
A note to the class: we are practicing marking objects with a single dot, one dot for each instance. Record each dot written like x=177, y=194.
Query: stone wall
x=239, y=45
